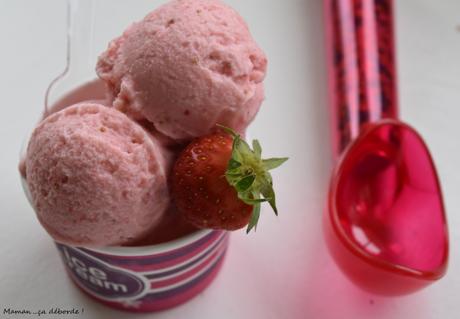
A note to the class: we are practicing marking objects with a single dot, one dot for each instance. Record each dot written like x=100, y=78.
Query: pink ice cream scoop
x=96, y=177
x=185, y=67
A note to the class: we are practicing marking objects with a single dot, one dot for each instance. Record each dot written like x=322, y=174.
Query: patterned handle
x=361, y=61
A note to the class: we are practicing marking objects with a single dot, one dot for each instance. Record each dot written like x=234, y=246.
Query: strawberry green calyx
x=249, y=174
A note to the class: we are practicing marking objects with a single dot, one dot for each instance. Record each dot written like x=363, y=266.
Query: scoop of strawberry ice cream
x=96, y=177
x=185, y=67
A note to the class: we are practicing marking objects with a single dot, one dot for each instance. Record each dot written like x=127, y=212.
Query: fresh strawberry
x=219, y=182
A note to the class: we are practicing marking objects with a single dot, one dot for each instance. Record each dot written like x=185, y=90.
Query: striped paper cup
x=146, y=278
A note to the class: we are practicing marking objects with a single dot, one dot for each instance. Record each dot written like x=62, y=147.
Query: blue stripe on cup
x=150, y=297
x=174, y=270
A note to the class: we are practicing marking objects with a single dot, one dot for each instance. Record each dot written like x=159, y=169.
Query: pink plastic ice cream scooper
x=385, y=222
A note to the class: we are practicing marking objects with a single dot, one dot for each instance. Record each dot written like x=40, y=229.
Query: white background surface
x=284, y=270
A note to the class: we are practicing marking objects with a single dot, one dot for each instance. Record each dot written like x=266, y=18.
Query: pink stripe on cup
x=187, y=274
x=133, y=265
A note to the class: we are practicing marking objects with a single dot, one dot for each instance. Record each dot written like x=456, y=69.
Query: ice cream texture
x=97, y=170
x=96, y=177
x=185, y=67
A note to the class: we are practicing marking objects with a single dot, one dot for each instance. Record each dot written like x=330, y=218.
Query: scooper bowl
x=386, y=226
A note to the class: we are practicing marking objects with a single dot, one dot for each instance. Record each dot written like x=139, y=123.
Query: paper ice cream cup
x=146, y=278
